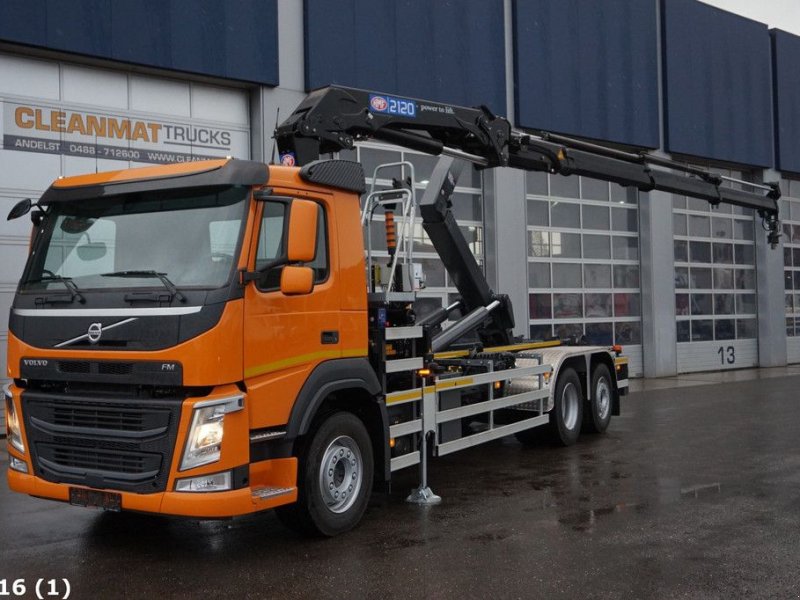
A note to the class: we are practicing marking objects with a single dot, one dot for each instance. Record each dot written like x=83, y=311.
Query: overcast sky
x=783, y=14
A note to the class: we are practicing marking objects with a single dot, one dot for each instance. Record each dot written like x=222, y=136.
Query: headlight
x=12, y=422
x=204, y=443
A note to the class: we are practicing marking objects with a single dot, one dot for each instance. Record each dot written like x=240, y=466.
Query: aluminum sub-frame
x=406, y=460
x=491, y=434
x=431, y=417
x=479, y=408
x=403, y=333
x=403, y=364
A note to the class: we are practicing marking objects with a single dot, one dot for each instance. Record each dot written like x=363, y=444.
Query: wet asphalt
x=692, y=493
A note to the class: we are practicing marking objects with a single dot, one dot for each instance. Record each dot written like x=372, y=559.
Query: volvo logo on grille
x=95, y=332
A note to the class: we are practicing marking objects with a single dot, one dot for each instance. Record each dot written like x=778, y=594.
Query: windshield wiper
x=68, y=283
x=162, y=276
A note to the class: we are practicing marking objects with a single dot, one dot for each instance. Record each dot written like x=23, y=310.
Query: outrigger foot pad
x=423, y=495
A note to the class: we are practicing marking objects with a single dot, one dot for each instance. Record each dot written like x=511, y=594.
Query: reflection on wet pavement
x=666, y=504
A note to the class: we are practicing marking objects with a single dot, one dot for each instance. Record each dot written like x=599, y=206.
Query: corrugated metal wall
x=786, y=79
x=234, y=39
x=588, y=68
x=448, y=51
x=717, y=84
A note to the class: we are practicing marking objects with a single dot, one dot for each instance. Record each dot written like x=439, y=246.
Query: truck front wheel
x=335, y=478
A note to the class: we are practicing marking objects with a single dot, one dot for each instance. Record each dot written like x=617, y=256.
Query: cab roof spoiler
x=208, y=173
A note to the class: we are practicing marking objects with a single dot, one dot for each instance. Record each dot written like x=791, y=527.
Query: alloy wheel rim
x=603, y=396
x=340, y=474
x=569, y=406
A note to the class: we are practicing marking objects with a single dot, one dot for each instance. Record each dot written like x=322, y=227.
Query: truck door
x=285, y=337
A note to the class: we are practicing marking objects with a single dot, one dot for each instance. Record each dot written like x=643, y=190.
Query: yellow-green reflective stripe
x=292, y=361
x=511, y=348
x=403, y=396
x=397, y=397
x=443, y=385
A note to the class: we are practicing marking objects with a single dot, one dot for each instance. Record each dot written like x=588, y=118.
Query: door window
x=272, y=244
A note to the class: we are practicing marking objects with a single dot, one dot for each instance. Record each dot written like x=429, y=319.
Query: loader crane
x=334, y=118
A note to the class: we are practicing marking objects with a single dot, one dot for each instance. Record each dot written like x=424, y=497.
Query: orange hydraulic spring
x=391, y=233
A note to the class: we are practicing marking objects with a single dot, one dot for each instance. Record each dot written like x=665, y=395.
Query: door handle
x=330, y=337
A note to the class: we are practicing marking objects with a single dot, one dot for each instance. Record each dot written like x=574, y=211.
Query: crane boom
x=334, y=118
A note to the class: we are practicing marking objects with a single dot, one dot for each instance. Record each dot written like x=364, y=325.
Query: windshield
x=138, y=240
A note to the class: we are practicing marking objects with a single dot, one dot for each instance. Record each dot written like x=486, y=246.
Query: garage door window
x=583, y=260
x=715, y=282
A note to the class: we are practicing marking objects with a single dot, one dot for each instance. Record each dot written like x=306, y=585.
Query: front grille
x=111, y=443
x=112, y=462
x=102, y=367
x=74, y=366
x=115, y=368
x=70, y=415
x=144, y=372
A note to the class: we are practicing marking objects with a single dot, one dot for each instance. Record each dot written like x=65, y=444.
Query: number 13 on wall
x=727, y=355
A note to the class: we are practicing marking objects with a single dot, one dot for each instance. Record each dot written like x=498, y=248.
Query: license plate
x=96, y=498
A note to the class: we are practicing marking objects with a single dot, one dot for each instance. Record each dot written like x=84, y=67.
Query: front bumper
x=272, y=484
x=72, y=442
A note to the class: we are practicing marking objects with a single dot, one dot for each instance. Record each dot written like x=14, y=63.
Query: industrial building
x=93, y=85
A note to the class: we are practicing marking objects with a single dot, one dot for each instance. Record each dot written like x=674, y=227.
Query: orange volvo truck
x=211, y=339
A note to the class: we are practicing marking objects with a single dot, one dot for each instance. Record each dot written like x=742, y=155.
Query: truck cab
x=164, y=328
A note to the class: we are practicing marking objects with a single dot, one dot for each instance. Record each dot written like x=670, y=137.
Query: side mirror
x=302, y=237
x=296, y=281
x=23, y=207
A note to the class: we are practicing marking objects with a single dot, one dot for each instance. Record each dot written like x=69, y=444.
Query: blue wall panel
x=786, y=79
x=718, y=90
x=588, y=68
x=234, y=39
x=83, y=27
x=445, y=50
x=23, y=21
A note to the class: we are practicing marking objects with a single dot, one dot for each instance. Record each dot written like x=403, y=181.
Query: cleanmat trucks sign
x=32, y=128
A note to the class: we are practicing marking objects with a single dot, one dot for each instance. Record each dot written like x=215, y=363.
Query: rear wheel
x=567, y=414
x=597, y=415
x=335, y=478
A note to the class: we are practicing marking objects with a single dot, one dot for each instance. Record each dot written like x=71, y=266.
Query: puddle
x=488, y=537
x=698, y=491
x=585, y=520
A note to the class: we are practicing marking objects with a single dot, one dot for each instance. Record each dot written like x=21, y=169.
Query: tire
x=597, y=411
x=565, y=425
x=567, y=414
x=332, y=500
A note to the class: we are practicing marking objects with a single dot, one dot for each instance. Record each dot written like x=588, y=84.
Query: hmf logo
x=379, y=103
